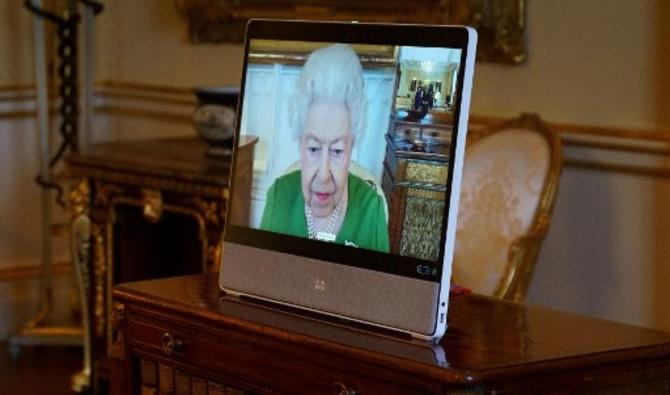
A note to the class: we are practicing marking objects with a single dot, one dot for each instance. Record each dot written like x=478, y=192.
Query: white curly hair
x=332, y=72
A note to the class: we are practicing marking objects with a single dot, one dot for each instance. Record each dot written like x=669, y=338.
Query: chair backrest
x=510, y=177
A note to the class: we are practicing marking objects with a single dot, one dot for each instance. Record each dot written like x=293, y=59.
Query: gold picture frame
x=500, y=23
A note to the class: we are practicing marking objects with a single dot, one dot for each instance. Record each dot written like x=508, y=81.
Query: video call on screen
x=353, y=143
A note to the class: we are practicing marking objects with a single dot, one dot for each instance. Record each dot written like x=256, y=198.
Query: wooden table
x=157, y=209
x=183, y=336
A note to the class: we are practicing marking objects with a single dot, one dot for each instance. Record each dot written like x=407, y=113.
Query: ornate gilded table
x=147, y=209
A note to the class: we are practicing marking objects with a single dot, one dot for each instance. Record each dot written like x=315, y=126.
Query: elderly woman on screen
x=323, y=200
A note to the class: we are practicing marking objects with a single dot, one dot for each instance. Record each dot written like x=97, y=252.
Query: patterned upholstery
x=421, y=227
x=509, y=181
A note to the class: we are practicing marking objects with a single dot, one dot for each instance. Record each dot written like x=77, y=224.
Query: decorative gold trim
x=118, y=177
x=79, y=196
x=427, y=194
x=104, y=192
x=81, y=242
x=109, y=256
x=212, y=211
x=522, y=253
x=424, y=172
x=152, y=205
x=217, y=21
x=214, y=253
x=99, y=270
x=207, y=254
x=80, y=381
x=106, y=195
x=501, y=24
x=65, y=335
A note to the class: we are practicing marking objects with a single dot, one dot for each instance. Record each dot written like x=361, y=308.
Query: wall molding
x=18, y=92
x=643, y=152
x=32, y=271
x=616, y=149
x=650, y=134
x=159, y=115
x=155, y=102
x=149, y=92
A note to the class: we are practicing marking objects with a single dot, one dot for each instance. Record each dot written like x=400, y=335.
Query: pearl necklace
x=329, y=234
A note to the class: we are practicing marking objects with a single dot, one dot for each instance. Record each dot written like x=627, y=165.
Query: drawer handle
x=341, y=389
x=170, y=345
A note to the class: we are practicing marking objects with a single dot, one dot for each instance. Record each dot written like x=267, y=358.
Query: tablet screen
x=353, y=151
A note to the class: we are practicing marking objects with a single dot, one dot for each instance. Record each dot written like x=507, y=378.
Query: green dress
x=364, y=224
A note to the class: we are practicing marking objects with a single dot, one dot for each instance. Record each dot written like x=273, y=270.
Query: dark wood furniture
x=157, y=209
x=183, y=336
x=414, y=181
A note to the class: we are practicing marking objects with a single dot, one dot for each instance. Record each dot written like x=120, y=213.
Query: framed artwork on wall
x=500, y=23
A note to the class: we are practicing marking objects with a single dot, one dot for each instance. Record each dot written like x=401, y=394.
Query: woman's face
x=325, y=152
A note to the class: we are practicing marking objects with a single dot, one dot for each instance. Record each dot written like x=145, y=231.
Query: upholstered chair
x=510, y=176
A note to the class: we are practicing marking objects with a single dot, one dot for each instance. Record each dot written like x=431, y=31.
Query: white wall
x=15, y=44
x=602, y=62
x=607, y=253
x=146, y=41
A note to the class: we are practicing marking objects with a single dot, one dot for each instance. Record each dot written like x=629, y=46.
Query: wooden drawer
x=268, y=366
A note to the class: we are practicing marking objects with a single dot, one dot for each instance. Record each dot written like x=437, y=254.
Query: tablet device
x=359, y=134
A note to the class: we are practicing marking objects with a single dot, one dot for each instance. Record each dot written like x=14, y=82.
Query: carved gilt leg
x=80, y=242
x=81, y=235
